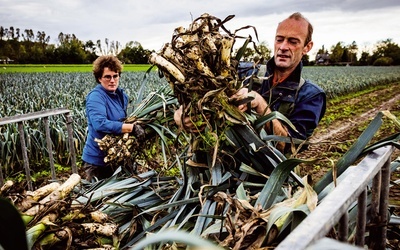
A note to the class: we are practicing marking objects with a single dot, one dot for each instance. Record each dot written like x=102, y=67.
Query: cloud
x=152, y=22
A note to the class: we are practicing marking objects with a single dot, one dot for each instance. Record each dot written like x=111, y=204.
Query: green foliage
x=61, y=168
x=337, y=52
x=383, y=61
x=387, y=48
x=338, y=81
x=40, y=175
x=20, y=177
x=29, y=48
x=37, y=49
x=134, y=53
x=317, y=167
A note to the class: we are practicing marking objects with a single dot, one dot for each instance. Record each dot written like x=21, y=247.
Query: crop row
x=22, y=93
x=337, y=81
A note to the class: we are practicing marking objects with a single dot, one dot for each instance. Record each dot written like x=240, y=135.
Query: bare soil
x=331, y=141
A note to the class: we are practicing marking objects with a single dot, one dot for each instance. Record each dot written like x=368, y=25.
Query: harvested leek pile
x=202, y=74
x=53, y=222
x=119, y=148
x=130, y=148
x=198, y=65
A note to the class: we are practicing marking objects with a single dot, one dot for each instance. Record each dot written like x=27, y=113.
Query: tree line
x=27, y=47
x=384, y=53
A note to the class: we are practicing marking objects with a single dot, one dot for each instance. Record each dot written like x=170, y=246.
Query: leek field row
x=22, y=93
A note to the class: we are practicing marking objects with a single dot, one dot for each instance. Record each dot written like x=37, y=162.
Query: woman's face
x=109, y=80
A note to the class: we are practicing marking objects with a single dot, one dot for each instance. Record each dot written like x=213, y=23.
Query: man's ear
x=308, y=47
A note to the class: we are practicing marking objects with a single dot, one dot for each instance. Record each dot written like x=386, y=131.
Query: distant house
x=5, y=60
x=322, y=59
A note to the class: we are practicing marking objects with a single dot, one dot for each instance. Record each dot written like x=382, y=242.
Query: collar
x=293, y=77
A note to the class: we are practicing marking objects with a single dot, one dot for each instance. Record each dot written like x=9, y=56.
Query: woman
x=106, y=107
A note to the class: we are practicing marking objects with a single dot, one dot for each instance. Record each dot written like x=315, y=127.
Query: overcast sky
x=151, y=22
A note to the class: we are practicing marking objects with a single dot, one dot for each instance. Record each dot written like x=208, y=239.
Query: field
x=346, y=118
x=67, y=85
x=355, y=96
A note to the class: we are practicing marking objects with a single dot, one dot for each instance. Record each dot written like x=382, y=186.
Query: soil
x=330, y=142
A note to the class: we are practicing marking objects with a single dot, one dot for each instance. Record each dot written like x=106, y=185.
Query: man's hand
x=188, y=123
x=261, y=107
x=178, y=119
x=258, y=103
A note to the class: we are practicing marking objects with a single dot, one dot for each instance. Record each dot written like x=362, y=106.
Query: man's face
x=289, y=45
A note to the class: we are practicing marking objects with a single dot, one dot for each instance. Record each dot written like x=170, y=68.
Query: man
x=301, y=101
x=285, y=91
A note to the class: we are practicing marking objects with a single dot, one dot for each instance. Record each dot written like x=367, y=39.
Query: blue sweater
x=105, y=113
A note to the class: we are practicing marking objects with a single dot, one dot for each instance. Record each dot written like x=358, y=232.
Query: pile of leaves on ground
x=224, y=182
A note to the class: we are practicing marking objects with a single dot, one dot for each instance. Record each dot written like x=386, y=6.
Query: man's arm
x=259, y=104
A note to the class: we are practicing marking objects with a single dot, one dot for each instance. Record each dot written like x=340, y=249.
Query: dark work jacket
x=306, y=105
